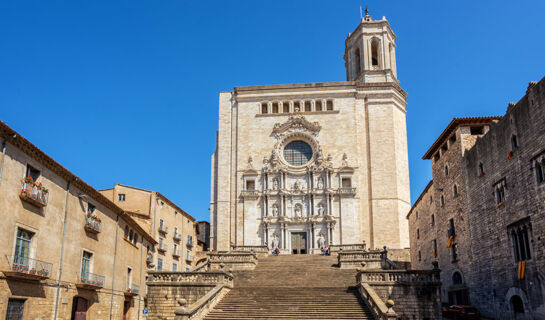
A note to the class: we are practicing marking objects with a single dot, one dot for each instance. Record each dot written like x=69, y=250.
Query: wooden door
x=81, y=309
x=298, y=243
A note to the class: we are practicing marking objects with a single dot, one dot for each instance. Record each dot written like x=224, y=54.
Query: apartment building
x=67, y=251
x=172, y=228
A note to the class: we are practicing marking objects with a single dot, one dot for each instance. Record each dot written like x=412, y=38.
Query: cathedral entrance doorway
x=298, y=242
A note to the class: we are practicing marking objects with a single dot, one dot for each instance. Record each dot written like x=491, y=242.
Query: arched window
x=514, y=143
x=130, y=235
x=442, y=201
x=264, y=107
x=126, y=231
x=455, y=190
x=374, y=52
x=135, y=240
x=456, y=278
x=357, y=62
x=275, y=108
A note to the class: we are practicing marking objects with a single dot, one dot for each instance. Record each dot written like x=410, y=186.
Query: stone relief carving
x=297, y=123
x=320, y=183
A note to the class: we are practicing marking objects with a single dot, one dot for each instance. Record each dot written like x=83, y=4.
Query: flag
x=450, y=242
x=435, y=253
x=521, y=269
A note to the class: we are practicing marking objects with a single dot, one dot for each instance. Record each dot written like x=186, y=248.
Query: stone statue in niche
x=275, y=184
x=275, y=210
x=274, y=241
x=321, y=240
x=298, y=210
x=345, y=160
x=265, y=163
x=250, y=163
x=320, y=183
x=297, y=185
x=321, y=210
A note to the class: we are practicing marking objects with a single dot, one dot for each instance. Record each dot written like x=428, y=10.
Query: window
x=287, y=104
x=86, y=264
x=374, y=52
x=131, y=235
x=444, y=148
x=318, y=105
x=431, y=199
x=481, y=169
x=457, y=278
x=419, y=255
x=442, y=201
x=417, y=233
x=161, y=223
x=514, y=143
x=121, y=197
x=135, y=239
x=297, y=106
x=297, y=153
x=451, y=230
x=275, y=108
x=32, y=172
x=129, y=277
x=437, y=156
x=455, y=190
x=15, y=309
x=452, y=139
x=521, y=243
x=250, y=185
x=186, y=269
x=22, y=247
x=90, y=208
x=434, y=246
x=175, y=249
x=346, y=183
x=329, y=105
x=416, y=214
x=432, y=220
x=159, y=264
x=264, y=108
x=307, y=106
x=174, y=267
x=162, y=204
x=126, y=233
x=476, y=130
x=285, y=107
x=446, y=170
x=539, y=172
x=453, y=253
x=499, y=191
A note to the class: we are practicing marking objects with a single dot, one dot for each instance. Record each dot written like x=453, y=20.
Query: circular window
x=297, y=153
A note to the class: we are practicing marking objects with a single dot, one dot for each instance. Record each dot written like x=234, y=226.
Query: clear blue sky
x=127, y=91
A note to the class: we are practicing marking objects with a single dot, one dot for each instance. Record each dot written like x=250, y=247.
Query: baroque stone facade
x=495, y=260
x=302, y=166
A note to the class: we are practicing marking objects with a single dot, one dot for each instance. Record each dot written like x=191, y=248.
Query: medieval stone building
x=483, y=216
x=300, y=166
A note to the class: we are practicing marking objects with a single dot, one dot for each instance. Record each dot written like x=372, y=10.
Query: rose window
x=297, y=153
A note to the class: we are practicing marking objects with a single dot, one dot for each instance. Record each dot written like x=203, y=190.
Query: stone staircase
x=293, y=287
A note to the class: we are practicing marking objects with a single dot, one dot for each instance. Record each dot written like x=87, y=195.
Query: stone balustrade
x=353, y=259
x=335, y=248
x=233, y=260
x=256, y=249
x=393, y=294
x=185, y=295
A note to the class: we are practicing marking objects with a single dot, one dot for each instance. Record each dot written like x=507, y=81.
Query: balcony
x=26, y=268
x=189, y=241
x=34, y=193
x=163, y=229
x=177, y=236
x=346, y=191
x=132, y=290
x=161, y=247
x=249, y=194
x=176, y=253
x=90, y=281
x=188, y=258
x=92, y=223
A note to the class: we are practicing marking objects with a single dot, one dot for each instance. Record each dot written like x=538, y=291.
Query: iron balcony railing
x=176, y=253
x=189, y=258
x=92, y=223
x=91, y=280
x=34, y=193
x=163, y=229
x=161, y=247
x=177, y=236
x=133, y=289
x=27, y=266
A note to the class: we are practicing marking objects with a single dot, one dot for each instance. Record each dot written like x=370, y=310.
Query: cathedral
x=303, y=166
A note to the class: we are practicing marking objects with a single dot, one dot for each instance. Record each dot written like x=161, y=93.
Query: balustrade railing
x=257, y=249
x=346, y=247
x=177, y=236
x=34, y=192
x=92, y=223
x=399, y=276
x=91, y=280
x=28, y=268
x=163, y=228
x=346, y=191
x=208, y=277
x=250, y=193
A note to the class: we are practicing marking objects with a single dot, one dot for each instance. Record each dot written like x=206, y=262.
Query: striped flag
x=521, y=269
x=450, y=241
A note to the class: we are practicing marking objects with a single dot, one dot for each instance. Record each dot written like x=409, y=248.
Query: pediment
x=296, y=122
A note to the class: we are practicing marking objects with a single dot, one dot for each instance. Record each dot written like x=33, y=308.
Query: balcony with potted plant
x=90, y=281
x=26, y=268
x=92, y=223
x=132, y=290
x=34, y=192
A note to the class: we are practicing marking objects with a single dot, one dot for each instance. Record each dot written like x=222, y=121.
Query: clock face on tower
x=297, y=153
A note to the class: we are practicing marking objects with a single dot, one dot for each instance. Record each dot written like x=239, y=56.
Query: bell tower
x=370, y=52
